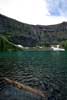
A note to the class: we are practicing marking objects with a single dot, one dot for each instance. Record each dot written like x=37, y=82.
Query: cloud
x=35, y=11
x=26, y=10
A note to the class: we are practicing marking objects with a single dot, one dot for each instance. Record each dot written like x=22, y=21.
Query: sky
x=44, y=12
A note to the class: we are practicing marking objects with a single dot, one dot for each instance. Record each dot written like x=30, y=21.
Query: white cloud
x=29, y=11
x=26, y=10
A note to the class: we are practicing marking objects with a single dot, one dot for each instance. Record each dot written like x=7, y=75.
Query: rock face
x=32, y=35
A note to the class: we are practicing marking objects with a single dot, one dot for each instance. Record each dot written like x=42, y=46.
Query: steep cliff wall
x=32, y=35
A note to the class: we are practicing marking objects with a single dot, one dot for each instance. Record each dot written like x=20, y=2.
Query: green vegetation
x=5, y=45
x=64, y=44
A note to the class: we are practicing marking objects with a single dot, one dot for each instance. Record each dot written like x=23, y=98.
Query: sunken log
x=25, y=87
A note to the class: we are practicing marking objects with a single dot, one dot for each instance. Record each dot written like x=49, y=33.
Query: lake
x=44, y=70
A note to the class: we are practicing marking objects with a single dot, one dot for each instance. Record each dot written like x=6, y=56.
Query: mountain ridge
x=32, y=35
x=5, y=16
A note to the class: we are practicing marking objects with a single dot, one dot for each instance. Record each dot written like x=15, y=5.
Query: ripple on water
x=46, y=71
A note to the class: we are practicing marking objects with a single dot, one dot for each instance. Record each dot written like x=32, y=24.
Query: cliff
x=32, y=35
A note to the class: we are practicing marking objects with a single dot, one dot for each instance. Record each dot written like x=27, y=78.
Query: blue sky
x=43, y=12
x=57, y=7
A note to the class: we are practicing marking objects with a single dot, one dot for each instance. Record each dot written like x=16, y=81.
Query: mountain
x=32, y=35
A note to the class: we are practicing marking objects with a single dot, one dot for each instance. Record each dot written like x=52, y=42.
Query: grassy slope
x=5, y=45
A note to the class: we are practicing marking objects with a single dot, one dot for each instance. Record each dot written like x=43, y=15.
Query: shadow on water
x=46, y=71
